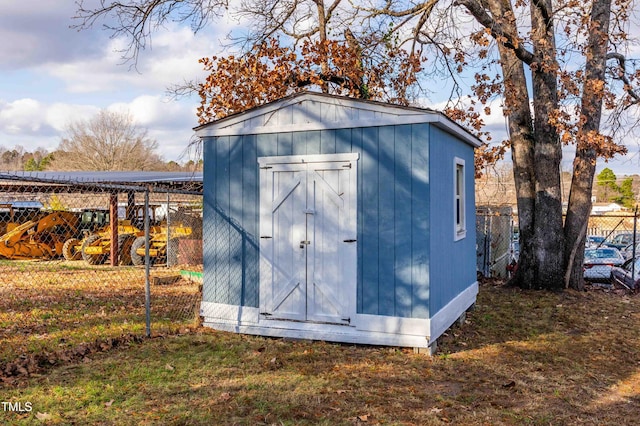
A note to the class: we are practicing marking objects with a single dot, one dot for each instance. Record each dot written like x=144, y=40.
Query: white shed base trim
x=364, y=329
x=446, y=316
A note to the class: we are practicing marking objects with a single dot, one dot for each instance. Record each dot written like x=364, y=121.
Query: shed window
x=459, y=208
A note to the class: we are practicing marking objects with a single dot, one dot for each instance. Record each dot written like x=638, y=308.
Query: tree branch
x=387, y=9
x=498, y=32
x=544, y=13
x=137, y=20
x=622, y=75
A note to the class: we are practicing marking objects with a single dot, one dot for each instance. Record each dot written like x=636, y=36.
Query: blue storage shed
x=338, y=219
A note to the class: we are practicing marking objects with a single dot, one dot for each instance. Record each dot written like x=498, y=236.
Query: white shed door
x=308, y=238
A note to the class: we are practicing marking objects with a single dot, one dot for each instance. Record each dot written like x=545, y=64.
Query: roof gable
x=317, y=111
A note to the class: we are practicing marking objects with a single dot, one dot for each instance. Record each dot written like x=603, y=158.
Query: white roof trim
x=394, y=115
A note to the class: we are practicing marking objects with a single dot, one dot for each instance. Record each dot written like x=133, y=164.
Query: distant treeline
x=18, y=158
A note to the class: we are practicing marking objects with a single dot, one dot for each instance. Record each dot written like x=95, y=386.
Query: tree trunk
x=584, y=165
x=548, y=238
x=535, y=150
x=322, y=33
x=521, y=137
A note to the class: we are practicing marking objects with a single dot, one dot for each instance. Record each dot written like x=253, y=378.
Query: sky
x=52, y=75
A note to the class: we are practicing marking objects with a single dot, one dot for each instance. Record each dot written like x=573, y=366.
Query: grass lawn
x=522, y=358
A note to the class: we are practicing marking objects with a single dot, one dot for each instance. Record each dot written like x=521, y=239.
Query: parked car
x=622, y=275
x=627, y=252
x=598, y=263
x=622, y=240
x=594, y=241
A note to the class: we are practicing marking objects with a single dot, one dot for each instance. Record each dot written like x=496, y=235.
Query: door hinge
x=266, y=167
x=349, y=241
x=347, y=320
x=265, y=236
x=347, y=166
x=266, y=314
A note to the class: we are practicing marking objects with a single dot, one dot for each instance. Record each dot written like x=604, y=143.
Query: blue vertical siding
x=369, y=238
x=235, y=230
x=221, y=241
x=403, y=208
x=327, y=141
x=386, y=218
x=420, y=221
x=209, y=288
x=231, y=221
x=405, y=190
x=453, y=270
x=250, y=218
x=311, y=141
x=285, y=144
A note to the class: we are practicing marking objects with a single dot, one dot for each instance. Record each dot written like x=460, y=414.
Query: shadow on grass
x=521, y=358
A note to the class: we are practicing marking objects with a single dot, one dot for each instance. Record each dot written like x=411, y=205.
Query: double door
x=308, y=238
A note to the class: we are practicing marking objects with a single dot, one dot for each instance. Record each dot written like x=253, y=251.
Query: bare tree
x=109, y=141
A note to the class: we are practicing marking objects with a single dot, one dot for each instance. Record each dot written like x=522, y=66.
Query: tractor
x=163, y=243
x=91, y=220
x=40, y=238
x=96, y=246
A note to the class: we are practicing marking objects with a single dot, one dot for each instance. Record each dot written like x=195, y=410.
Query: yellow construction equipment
x=12, y=216
x=163, y=242
x=91, y=220
x=96, y=247
x=40, y=238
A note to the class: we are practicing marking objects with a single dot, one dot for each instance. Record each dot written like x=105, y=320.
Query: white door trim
x=311, y=158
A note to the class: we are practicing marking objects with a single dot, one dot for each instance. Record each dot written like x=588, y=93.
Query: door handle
x=304, y=243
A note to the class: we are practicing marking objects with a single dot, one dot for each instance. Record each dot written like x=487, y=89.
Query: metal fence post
x=147, y=266
x=168, y=229
x=633, y=246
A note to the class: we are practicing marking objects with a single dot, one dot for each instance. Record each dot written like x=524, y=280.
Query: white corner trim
x=445, y=317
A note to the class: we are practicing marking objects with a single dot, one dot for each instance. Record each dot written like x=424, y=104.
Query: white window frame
x=459, y=204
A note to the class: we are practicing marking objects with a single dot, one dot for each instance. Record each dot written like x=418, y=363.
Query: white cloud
x=169, y=122
x=29, y=122
x=59, y=115
x=22, y=115
x=158, y=112
x=172, y=59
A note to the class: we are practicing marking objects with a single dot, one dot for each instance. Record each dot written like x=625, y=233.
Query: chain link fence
x=611, y=240
x=498, y=242
x=85, y=266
